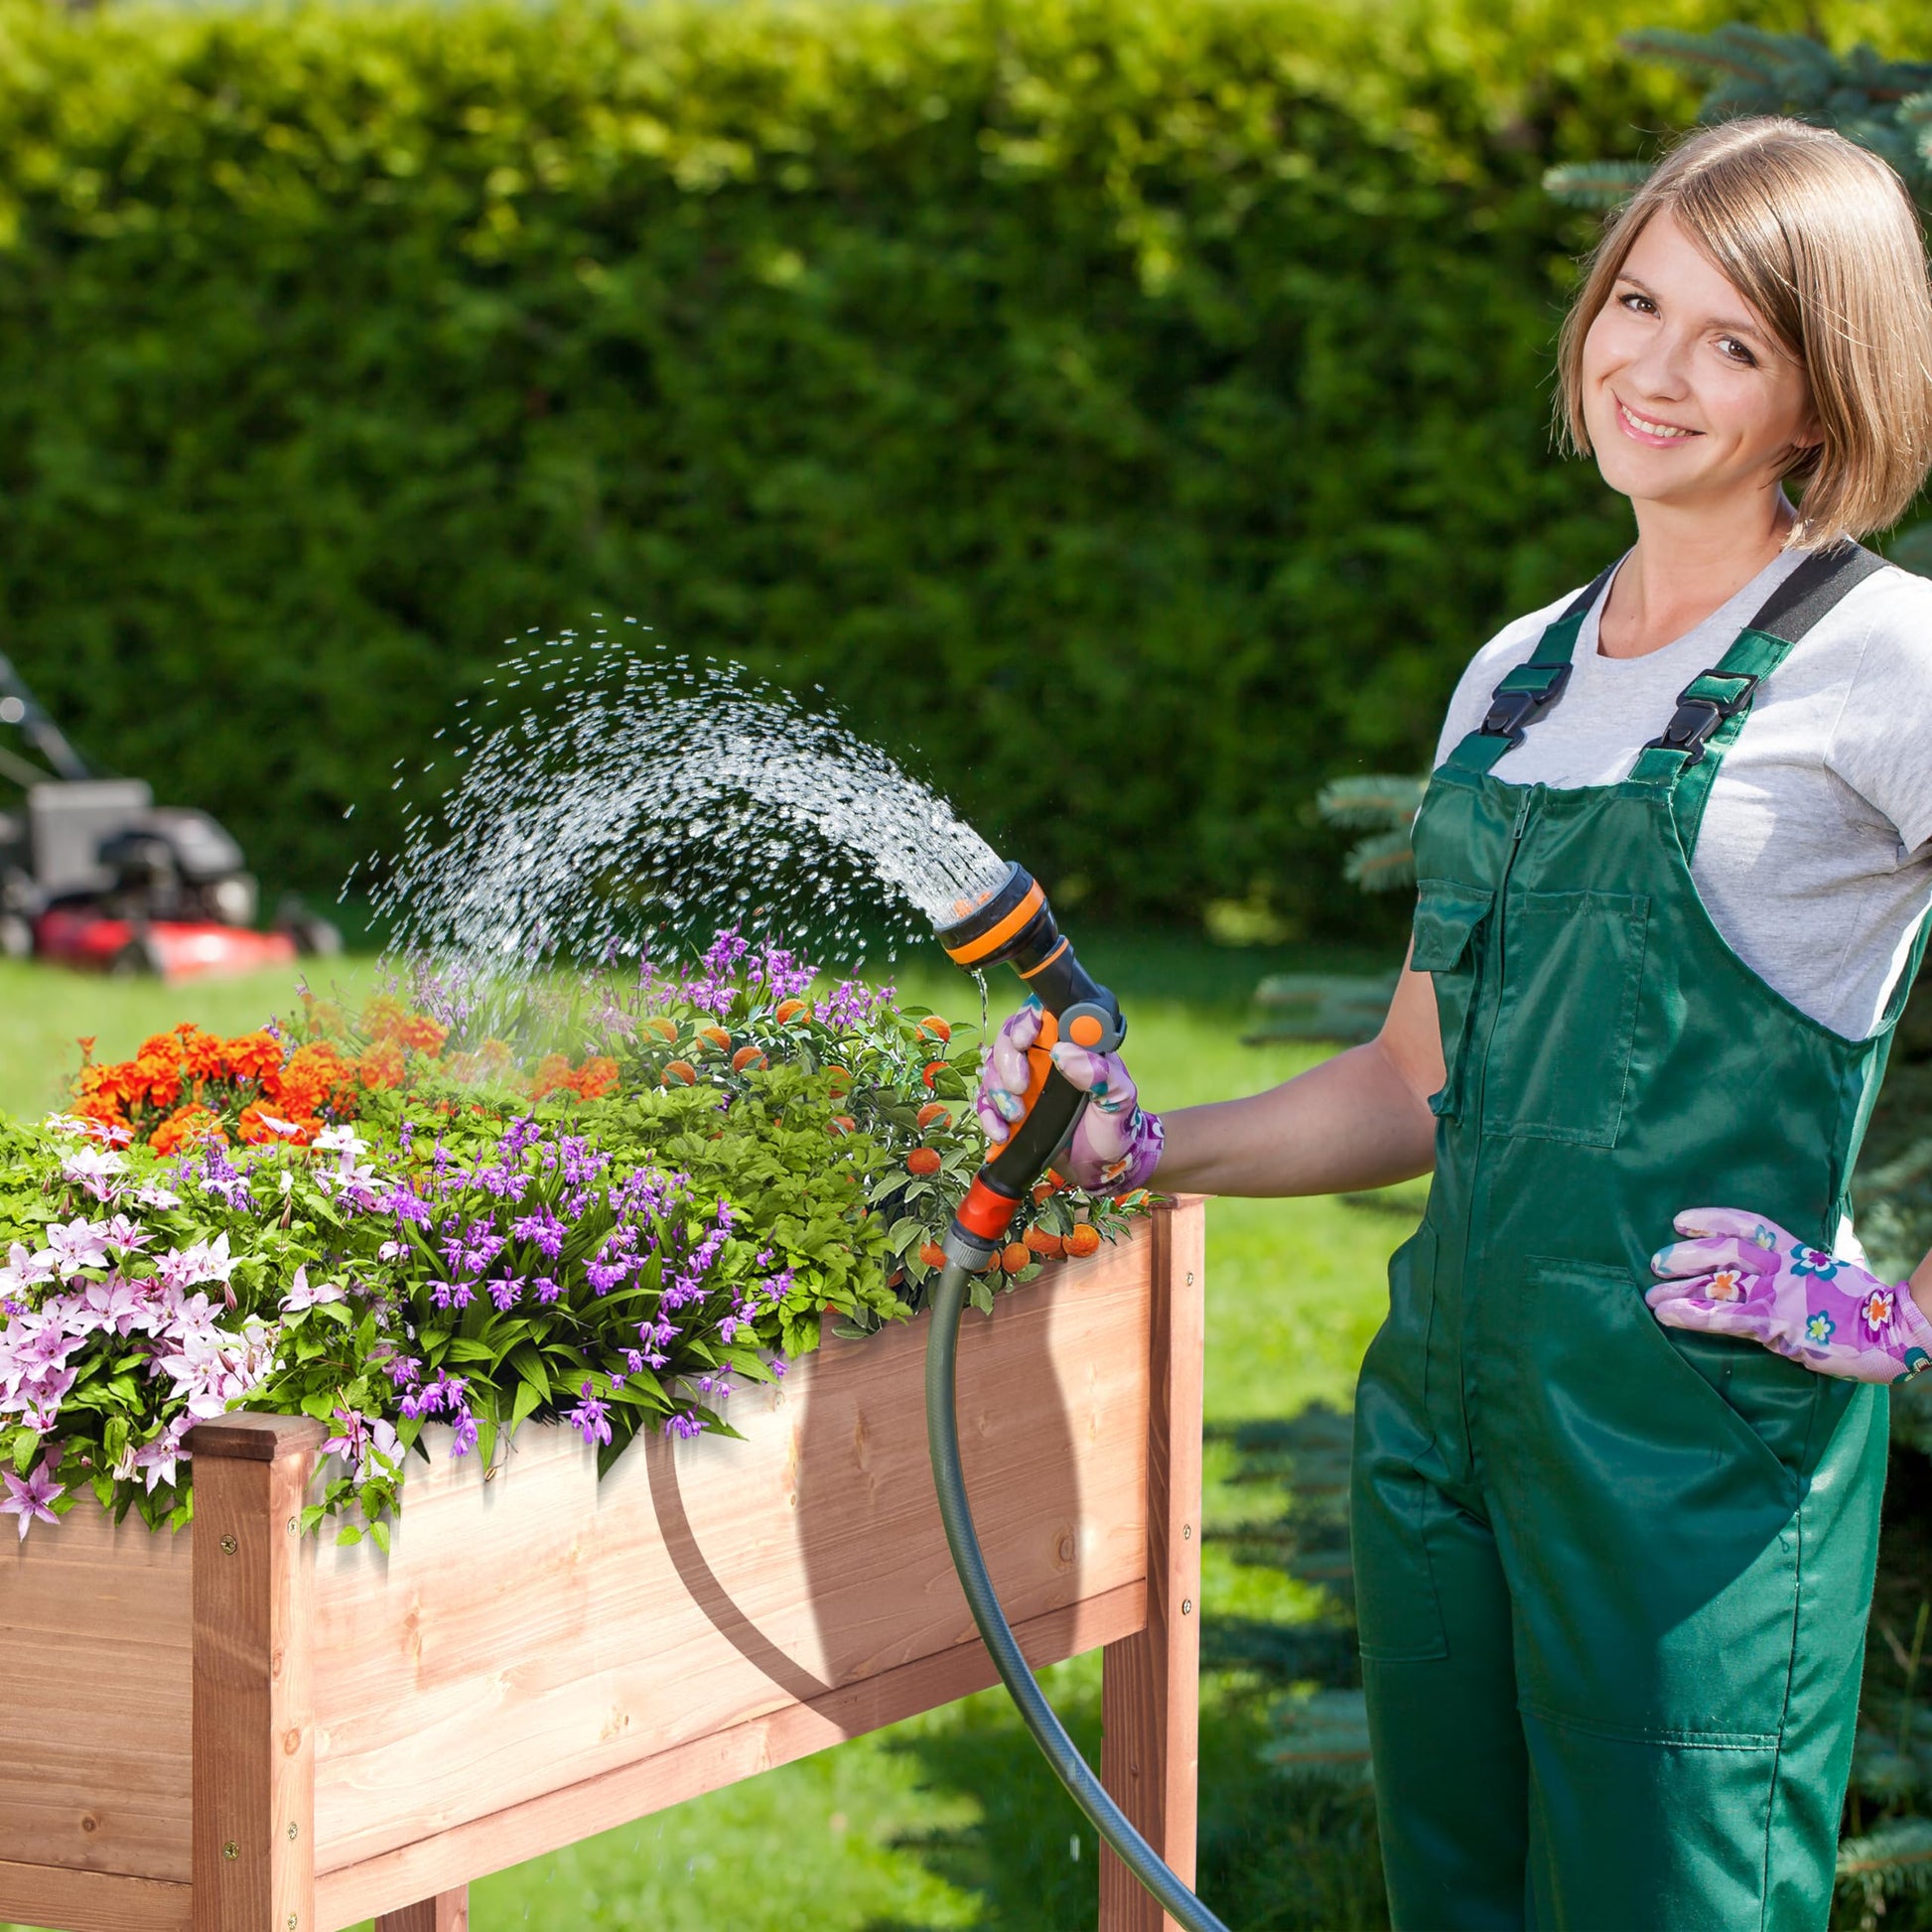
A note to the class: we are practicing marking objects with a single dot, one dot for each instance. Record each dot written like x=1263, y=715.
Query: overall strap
x=1532, y=688
x=1712, y=708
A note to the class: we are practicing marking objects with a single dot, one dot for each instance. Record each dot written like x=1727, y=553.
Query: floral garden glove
x=1740, y=1275
x=1116, y=1143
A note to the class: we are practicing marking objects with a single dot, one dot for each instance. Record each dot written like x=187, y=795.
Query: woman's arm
x=1360, y=1120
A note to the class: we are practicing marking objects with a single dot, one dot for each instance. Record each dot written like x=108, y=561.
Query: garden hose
x=1014, y=924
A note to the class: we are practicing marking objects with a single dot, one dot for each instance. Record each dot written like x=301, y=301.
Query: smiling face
x=1687, y=395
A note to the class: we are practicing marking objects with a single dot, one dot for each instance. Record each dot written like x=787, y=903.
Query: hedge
x=1137, y=409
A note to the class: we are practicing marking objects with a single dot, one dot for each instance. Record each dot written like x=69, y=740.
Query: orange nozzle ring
x=982, y=945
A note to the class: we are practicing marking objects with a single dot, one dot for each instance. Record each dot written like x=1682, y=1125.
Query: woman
x=1614, y=1536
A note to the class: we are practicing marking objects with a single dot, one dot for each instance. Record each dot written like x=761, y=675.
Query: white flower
x=24, y=1271
x=288, y=1128
x=76, y=1245
x=153, y=1194
x=302, y=1296
x=95, y=1169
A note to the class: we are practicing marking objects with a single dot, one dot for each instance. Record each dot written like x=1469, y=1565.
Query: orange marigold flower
x=381, y=1065
x=252, y=1056
x=159, y=1047
x=315, y=1075
x=550, y=1073
x=191, y=1126
x=383, y=1016
x=595, y=1078
x=203, y=1057
x=422, y=1034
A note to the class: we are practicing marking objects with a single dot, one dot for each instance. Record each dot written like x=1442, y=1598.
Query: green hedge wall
x=1136, y=406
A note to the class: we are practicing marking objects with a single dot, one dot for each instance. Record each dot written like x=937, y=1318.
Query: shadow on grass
x=1281, y=1849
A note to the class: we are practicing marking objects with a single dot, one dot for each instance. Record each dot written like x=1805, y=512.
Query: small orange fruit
x=840, y=1078
x=682, y=1071
x=1084, y=1240
x=747, y=1056
x=922, y=1161
x=933, y=1253
x=1043, y=1243
x=933, y=1072
x=936, y=1028
x=1043, y=1191
x=931, y=1111
x=1015, y=1256
x=661, y=1026
x=717, y=1037
x=840, y=1123
x=788, y=1011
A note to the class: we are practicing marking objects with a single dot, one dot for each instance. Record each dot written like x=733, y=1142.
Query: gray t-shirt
x=1815, y=857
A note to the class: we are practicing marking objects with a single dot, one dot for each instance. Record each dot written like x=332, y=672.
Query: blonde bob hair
x=1821, y=237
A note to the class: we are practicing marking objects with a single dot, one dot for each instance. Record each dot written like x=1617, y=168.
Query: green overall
x=1612, y=1577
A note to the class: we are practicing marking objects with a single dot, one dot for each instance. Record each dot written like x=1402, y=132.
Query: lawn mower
x=94, y=874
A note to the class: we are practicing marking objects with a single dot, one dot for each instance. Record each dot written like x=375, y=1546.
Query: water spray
x=1011, y=923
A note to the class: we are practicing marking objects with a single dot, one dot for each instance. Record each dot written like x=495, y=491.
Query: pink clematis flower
x=30, y=1497
x=77, y=1246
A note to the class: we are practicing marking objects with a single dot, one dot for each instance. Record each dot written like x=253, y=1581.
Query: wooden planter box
x=241, y=1729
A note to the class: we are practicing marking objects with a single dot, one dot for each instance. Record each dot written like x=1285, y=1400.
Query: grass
x=951, y=1818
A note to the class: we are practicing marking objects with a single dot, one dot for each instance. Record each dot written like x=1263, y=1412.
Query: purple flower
x=683, y=1425
x=463, y=1425
x=547, y=1290
x=504, y=1291
x=30, y=1497
x=544, y=1229
x=590, y=1417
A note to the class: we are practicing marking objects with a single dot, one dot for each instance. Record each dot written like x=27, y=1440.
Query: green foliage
x=1884, y=104
x=1138, y=405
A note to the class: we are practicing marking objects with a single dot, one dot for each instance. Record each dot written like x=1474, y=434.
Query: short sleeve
x=1881, y=744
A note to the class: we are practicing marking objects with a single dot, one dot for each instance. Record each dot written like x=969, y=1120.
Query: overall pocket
x=1572, y=973
x=1450, y=921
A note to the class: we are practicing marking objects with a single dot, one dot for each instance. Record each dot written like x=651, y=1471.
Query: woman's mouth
x=1640, y=429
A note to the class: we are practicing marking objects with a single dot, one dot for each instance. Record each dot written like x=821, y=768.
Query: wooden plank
x=448, y=1911
x=530, y=1633
x=101, y=1612
x=472, y=1849
x=1150, y=1681
x=91, y=1901
x=253, y=1779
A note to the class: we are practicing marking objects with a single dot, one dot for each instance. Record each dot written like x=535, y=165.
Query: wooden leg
x=254, y=1852
x=448, y=1911
x=1150, y=1688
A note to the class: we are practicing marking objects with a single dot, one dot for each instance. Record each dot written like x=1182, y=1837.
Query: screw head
x=231, y=1850
x=1186, y=1606
x=1186, y=1532
x=1190, y=1278
x=290, y=1922
x=291, y=1525
x=291, y=1831
x=229, y=1546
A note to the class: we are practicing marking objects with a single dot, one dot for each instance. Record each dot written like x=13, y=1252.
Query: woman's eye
x=1736, y=351
x=1640, y=305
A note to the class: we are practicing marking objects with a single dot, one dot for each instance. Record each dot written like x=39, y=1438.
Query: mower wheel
x=139, y=959
x=16, y=937
x=316, y=937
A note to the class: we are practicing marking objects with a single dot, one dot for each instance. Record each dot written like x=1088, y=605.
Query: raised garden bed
x=254, y=1730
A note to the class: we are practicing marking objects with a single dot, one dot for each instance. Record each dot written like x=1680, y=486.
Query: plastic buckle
x=1696, y=719
x=1511, y=713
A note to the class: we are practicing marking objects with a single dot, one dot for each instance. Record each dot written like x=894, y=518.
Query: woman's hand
x=1116, y=1143
x=1740, y=1275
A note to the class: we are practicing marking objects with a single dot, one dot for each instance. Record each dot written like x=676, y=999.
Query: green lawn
x=951, y=1820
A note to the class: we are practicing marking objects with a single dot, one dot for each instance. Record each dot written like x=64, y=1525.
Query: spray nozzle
x=1011, y=923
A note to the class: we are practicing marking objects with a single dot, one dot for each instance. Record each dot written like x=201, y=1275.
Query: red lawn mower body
x=94, y=874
